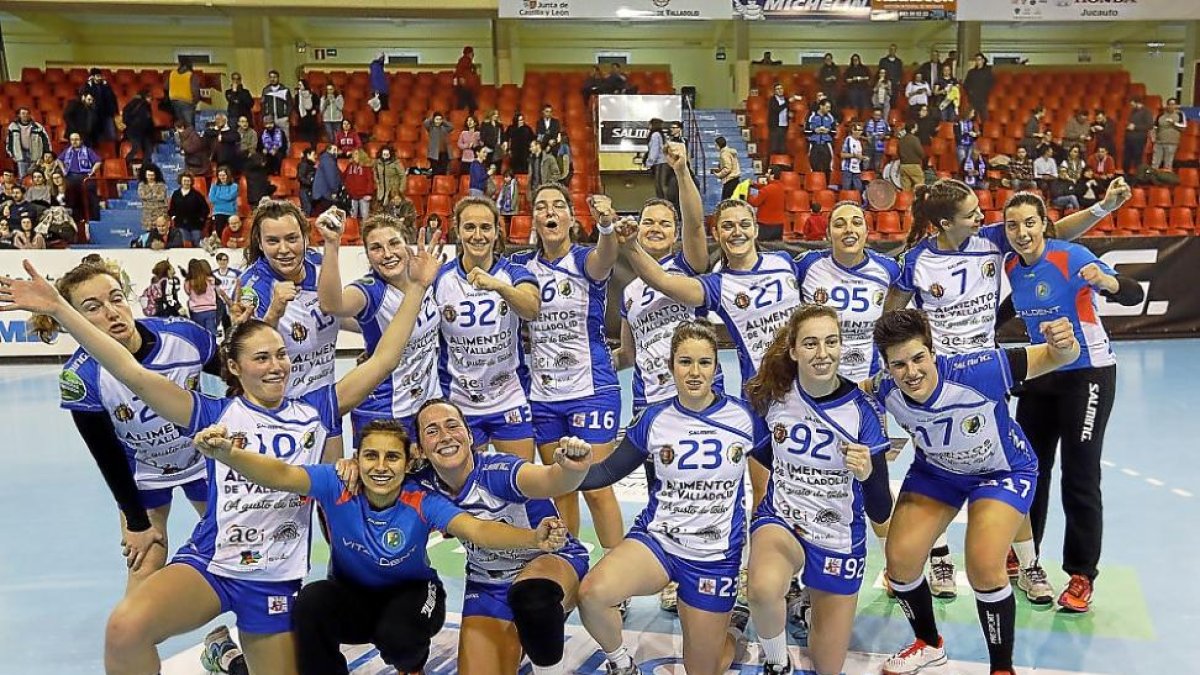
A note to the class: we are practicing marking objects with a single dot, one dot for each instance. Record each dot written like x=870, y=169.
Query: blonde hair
x=46, y=327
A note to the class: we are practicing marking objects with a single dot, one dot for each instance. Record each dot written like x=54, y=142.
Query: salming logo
x=1089, y=415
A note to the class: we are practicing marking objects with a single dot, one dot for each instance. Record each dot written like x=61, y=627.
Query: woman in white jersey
x=573, y=385
x=827, y=436
x=249, y=553
x=481, y=299
x=141, y=456
x=693, y=529
x=373, y=301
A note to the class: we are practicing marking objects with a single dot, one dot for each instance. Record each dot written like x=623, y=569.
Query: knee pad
x=540, y=620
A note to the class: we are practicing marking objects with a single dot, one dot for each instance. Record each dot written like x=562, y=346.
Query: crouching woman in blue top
x=382, y=589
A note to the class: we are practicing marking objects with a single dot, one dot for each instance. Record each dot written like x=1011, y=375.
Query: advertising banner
x=625, y=119
x=802, y=10
x=615, y=9
x=1078, y=10
x=912, y=10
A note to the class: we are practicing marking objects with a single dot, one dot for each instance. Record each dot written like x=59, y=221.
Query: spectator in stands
x=464, y=95
x=258, y=179
x=188, y=210
x=152, y=191
x=1078, y=130
x=828, y=78
x=917, y=92
x=1103, y=164
x=1074, y=163
x=854, y=154
x=978, y=85
x=226, y=143
x=1089, y=188
x=82, y=163
x=656, y=160
x=778, y=118
x=1137, y=133
x=912, y=158
x=138, y=119
x=593, y=84
x=223, y=196
x=247, y=138
x=306, y=173
x=227, y=281
x=380, y=87
x=183, y=88
x=26, y=236
x=858, y=85
x=507, y=196
x=235, y=235
x=877, y=132
x=517, y=139
x=551, y=169
x=276, y=99
x=1168, y=129
x=491, y=136
x=359, y=179
x=816, y=226
x=333, y=107
x=438, y=149
x=947, y=94
x=548, y=126
x=1033, y=134
x=7, y=180
x=26, y=141
x=166, y=289
x=766, y=60
x=974, y=170
x=479, y=171
x=59, y=189
x=39, y=188
x=1049, y=142
x=434, y=223
x=931, y=69
x=768, y=197
x=820, y=128
x=327, y=182
x=468, y=143
x=562, y=152
x=308, y=118
x=390, y=175
x=50, y=164
x=882, y=93
x=617, y=81
x=347, y=140
x=106, y=103
x=6, y=236
x=19, y=207
x=729, y=168
x=399, y=206
x=81, y=117
x=201, y=289
x=966, y=132
x=197, y=153
x=1062, y=190
x=465, y=62
x=239, y=102
x=159, y=237
x=894, y=67
x=1104, y=133
x=1045, y=169
x=927, y=125
x=273, y=144
x=1020, y=171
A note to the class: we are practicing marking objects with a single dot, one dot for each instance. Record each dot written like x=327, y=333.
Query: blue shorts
x=514, y=424
x=593, y=418
x=491, y=600
x=263, y=607
x=196, y=491
x=710, y=585
x=1014, y=488
x=360, y=419
x=824, y=570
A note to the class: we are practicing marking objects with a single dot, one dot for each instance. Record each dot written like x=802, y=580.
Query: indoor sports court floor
x=61, y=571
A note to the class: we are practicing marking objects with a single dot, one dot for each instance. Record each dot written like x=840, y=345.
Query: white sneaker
x=1037, y=588
x=668, y=599
x=915, y=658
x=942, y=583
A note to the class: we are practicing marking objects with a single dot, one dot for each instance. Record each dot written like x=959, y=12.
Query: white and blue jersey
x=1051, y=288
x=958, y=290
x=159, y=455
x=481, y=362
x=415, y=381
x=569, y=358
x=249, y=531
x=965, y=427
x=309, y=334
x=696, y=500
x=228, y=280
x=491, y=493
x=753, y=304
x=857, y=294
x=379, y=548
x=810, y=488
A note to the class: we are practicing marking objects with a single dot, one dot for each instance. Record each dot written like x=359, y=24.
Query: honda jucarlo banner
x=1078, y=10
x=625, y=120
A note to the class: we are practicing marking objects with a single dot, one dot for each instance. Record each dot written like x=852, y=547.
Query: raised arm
x=331, y=296
x=1061, y=349
x=896, y=299
x=217, y=443
x=691, y=207
x=686, y=290
x=571, y=462
x=603, y=258
x=1075, y=225
x=622, y=462
x=38, y=296
x=549, y=536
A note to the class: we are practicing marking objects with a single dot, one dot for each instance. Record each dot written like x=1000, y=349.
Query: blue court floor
x=61, y=570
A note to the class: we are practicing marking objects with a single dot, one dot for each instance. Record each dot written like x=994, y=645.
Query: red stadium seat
x=888, y=222
x=1154, y=218
x=519, y=228
x=1129, y=219
x=1182, y=218
x=1160, y=197
x=814, y=182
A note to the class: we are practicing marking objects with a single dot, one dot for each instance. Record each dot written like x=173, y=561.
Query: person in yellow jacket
x=183, y=89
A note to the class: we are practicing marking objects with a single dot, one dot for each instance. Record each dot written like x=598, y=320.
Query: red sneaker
x=1077, y=597
x=1013, y=565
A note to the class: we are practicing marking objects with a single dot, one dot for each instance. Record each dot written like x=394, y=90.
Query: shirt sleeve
x=206, y=410
x=324, y=399
x=1081, y=256
x=871, y=432
x=433, y=507
x=498, y=474
x=326, y=487
x=907, y=264
x=77, y=385
x=711, y=283
x=372, y=291
x=256, y=292
x=995, y=234
x=581, y=254
x=521, y=275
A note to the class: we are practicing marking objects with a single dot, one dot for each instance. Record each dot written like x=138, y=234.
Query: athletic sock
x=917, y=602
x=882, y=544
x=556, y=669
x=1026, y=553
x=998, y=616
x=775, y=650
x=941, y=547
x=620, y=657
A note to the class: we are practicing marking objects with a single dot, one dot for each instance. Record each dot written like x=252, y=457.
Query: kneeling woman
x=693, y=530
x=514, y=600
x=827, y=438
x=381, y=589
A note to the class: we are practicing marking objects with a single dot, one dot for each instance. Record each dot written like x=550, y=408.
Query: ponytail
x=777, y=371
x=932, y=204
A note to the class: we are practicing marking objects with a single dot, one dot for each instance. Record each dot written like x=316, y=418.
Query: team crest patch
x=666, y=454
x=706, y=586
x=238, y=440
x=628, y=303
x=973, y=425
x=937, y=291
x=309, y=440
x=741, y=301
x=393, y=540
x=1042, y=290
x=820, y=296
x=192, y=383
x=71, y=386
x=833, y=567
x=249, y=297
x=878, y=299
x=277, y=604
x=449, y=313
x=513, y=416
x=779, y=433
x=989, y=268
x=579, y=420
x=251, y=557
x=565, y=289
x=299, y=332
x=123, y=413
x=503, y=308
x=736, y=452
x=794, y=283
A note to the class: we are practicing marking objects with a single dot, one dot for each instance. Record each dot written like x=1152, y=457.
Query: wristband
x=1098, y=210
x=605, y=229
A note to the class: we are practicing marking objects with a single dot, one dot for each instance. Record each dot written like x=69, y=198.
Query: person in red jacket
x=359, y=179
x=817, y=224
x=769, y=199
